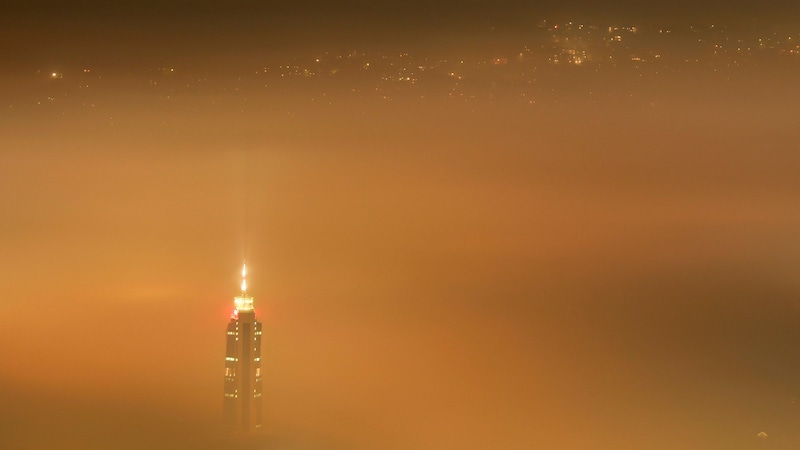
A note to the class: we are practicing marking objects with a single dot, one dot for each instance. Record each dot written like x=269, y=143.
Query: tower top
x=244, y=278
x=244, y=302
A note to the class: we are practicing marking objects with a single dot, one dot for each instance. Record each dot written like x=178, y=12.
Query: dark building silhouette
x=242, y=405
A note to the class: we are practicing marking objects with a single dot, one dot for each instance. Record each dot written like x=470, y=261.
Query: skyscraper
x=242, y=410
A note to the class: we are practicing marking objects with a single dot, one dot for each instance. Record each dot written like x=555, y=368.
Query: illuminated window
x=230, y=371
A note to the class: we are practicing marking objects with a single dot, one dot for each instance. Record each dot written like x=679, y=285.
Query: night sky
x=471, y=225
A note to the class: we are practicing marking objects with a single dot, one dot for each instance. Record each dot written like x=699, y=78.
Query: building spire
x=244, y=302
x=244, y=279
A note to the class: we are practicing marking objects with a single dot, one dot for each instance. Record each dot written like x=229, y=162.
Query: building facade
x=242, y=405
